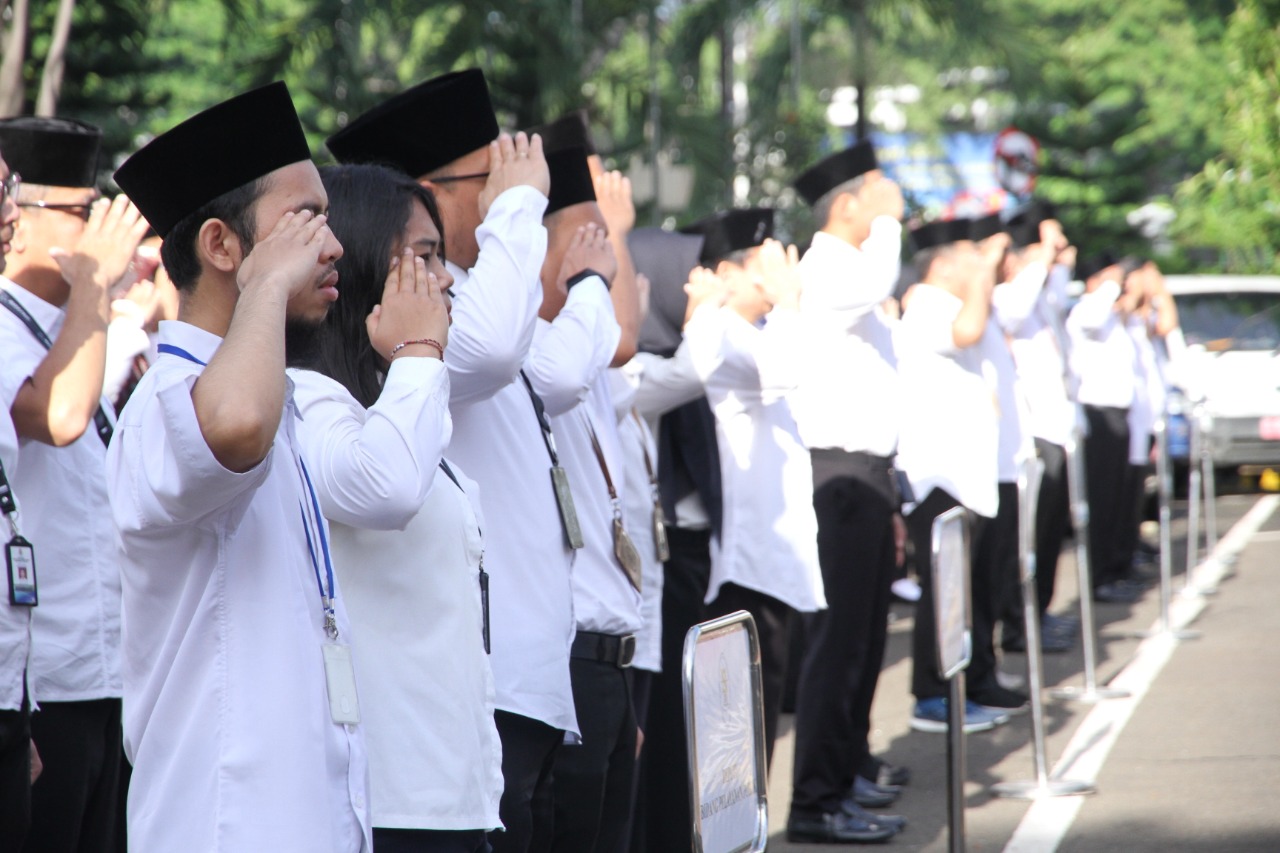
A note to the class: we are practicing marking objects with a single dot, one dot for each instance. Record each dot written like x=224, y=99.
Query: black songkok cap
x=423, y=128
x=940, y=232
x=53, y=152
x=840, y=168
x=1088, y=267
x=570, y=179
x=984, y=227
x=568, y=131
x=212, y=153
x=732, y=231
x=1024, y=226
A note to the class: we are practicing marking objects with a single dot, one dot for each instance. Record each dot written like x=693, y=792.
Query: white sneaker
x=908, y=589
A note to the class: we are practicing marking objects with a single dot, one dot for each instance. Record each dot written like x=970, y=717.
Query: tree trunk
x=726, y=104
x=15, y=54
x=863, y=43
x=56, y=62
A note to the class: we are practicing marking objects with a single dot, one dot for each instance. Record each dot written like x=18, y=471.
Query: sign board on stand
x=724, y=721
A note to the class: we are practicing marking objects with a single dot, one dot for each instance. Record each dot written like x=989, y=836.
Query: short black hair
x=369, y=208
x=237, y=208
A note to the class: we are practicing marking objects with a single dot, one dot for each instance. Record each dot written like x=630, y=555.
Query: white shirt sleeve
x=830, y=284
x=666, y=383
x=166, y=474
x=569, y=352
x=1014, y=302
x=927, y=324
x=494, y=314
x=373, y=468
x=126, y=340
x=704, y=337
x=1094, y=311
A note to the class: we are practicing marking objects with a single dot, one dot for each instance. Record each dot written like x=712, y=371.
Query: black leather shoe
x=1050, y=643
x=871, y=795
x=852, y=809
x=838, y=828
x=1117, y=592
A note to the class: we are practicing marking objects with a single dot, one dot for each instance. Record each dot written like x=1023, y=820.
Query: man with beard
x=243, y=721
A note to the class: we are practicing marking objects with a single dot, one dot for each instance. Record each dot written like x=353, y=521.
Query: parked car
x=1228, y=357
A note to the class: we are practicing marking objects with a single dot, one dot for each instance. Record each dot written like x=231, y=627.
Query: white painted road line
x=1047, y=821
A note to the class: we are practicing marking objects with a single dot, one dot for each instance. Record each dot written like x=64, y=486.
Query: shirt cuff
x=522, y=197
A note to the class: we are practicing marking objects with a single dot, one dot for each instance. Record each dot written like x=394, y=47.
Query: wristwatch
x=585, y=274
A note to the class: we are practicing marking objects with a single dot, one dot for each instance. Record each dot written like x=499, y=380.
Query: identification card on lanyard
x=559, y=477
x=661, y=547
x=19, y=555
x=484, y=576
x=623, y=548
x=339, y=671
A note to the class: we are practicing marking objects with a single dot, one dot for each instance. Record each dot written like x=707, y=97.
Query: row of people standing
x=481, y=534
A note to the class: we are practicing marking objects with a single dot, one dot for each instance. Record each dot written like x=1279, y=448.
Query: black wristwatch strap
x=582, y=276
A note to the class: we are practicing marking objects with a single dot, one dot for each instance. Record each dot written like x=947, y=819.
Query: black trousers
x=1053, y=514
x=593, y=780
x=773, y=626
x=15, y=776
x=430, y=841
x=663, y=820
x=75, y=804
x=998, y=543
x=853, y=497
x=1132, y=505
x=528, y=755
x=1106, y=456
x=925, y=681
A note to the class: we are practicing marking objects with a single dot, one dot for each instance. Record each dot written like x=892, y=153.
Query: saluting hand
x=779, y=269
x=883, y=197
x=613, y=194
x=514, y=163
x=589, y=249
x=102, y=254
x=287, y=257
x=704, y=288
x=413, y=308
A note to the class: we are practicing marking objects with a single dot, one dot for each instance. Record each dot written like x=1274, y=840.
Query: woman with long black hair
x=373, y=394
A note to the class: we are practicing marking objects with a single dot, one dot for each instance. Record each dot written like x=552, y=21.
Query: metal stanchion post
x=1194, y=488
x=1078, y=496
x=1042, y=786
x=950, y=561
x=1164, y=479
x=1208, y=480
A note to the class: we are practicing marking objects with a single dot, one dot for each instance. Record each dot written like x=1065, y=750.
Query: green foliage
x=1232, y=207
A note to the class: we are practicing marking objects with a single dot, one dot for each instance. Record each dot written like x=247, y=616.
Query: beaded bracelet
x=428, y=342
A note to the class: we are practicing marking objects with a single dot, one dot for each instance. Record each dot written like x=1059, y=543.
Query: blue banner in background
x=950, y=174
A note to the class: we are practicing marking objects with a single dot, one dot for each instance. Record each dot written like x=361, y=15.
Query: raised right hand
x=288, y=257
x=513, y=163
x=882, y=197
x=105, y=248
x=412, y=309
x=704, y=288
x=589, y=249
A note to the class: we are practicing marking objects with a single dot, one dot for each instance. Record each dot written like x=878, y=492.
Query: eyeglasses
x=448, y=179
x=9, y=188
x=80, y=210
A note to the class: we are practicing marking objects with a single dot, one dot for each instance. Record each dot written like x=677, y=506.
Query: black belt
x=606, y=648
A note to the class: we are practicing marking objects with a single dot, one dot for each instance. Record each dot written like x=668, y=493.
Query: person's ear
x=219, y=247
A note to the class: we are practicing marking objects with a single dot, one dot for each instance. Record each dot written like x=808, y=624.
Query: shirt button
x=357, y=801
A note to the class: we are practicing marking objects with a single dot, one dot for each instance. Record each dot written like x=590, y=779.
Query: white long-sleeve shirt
x=849, y=398
x=226, y=715
x=15, y=621
x=769, y=540
x=1030, y=310
x=1102, y=353
x=75, y=631
x=951, y=426
x=407, y=550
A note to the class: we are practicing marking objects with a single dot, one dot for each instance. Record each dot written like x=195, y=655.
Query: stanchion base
x=1198, y=591
x=1088, y=695
x=1032, y=790
x=1180, y=634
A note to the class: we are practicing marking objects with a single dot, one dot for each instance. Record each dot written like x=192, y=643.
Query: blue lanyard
x=180, y=353
x=326, y=591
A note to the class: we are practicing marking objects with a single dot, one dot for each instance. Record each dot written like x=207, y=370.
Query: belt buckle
x=626, y=650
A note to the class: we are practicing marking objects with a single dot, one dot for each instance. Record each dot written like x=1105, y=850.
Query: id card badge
x=625, y=550
x=20, y=557
x=660, y=544
x=564, y=500
x=340, y=678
